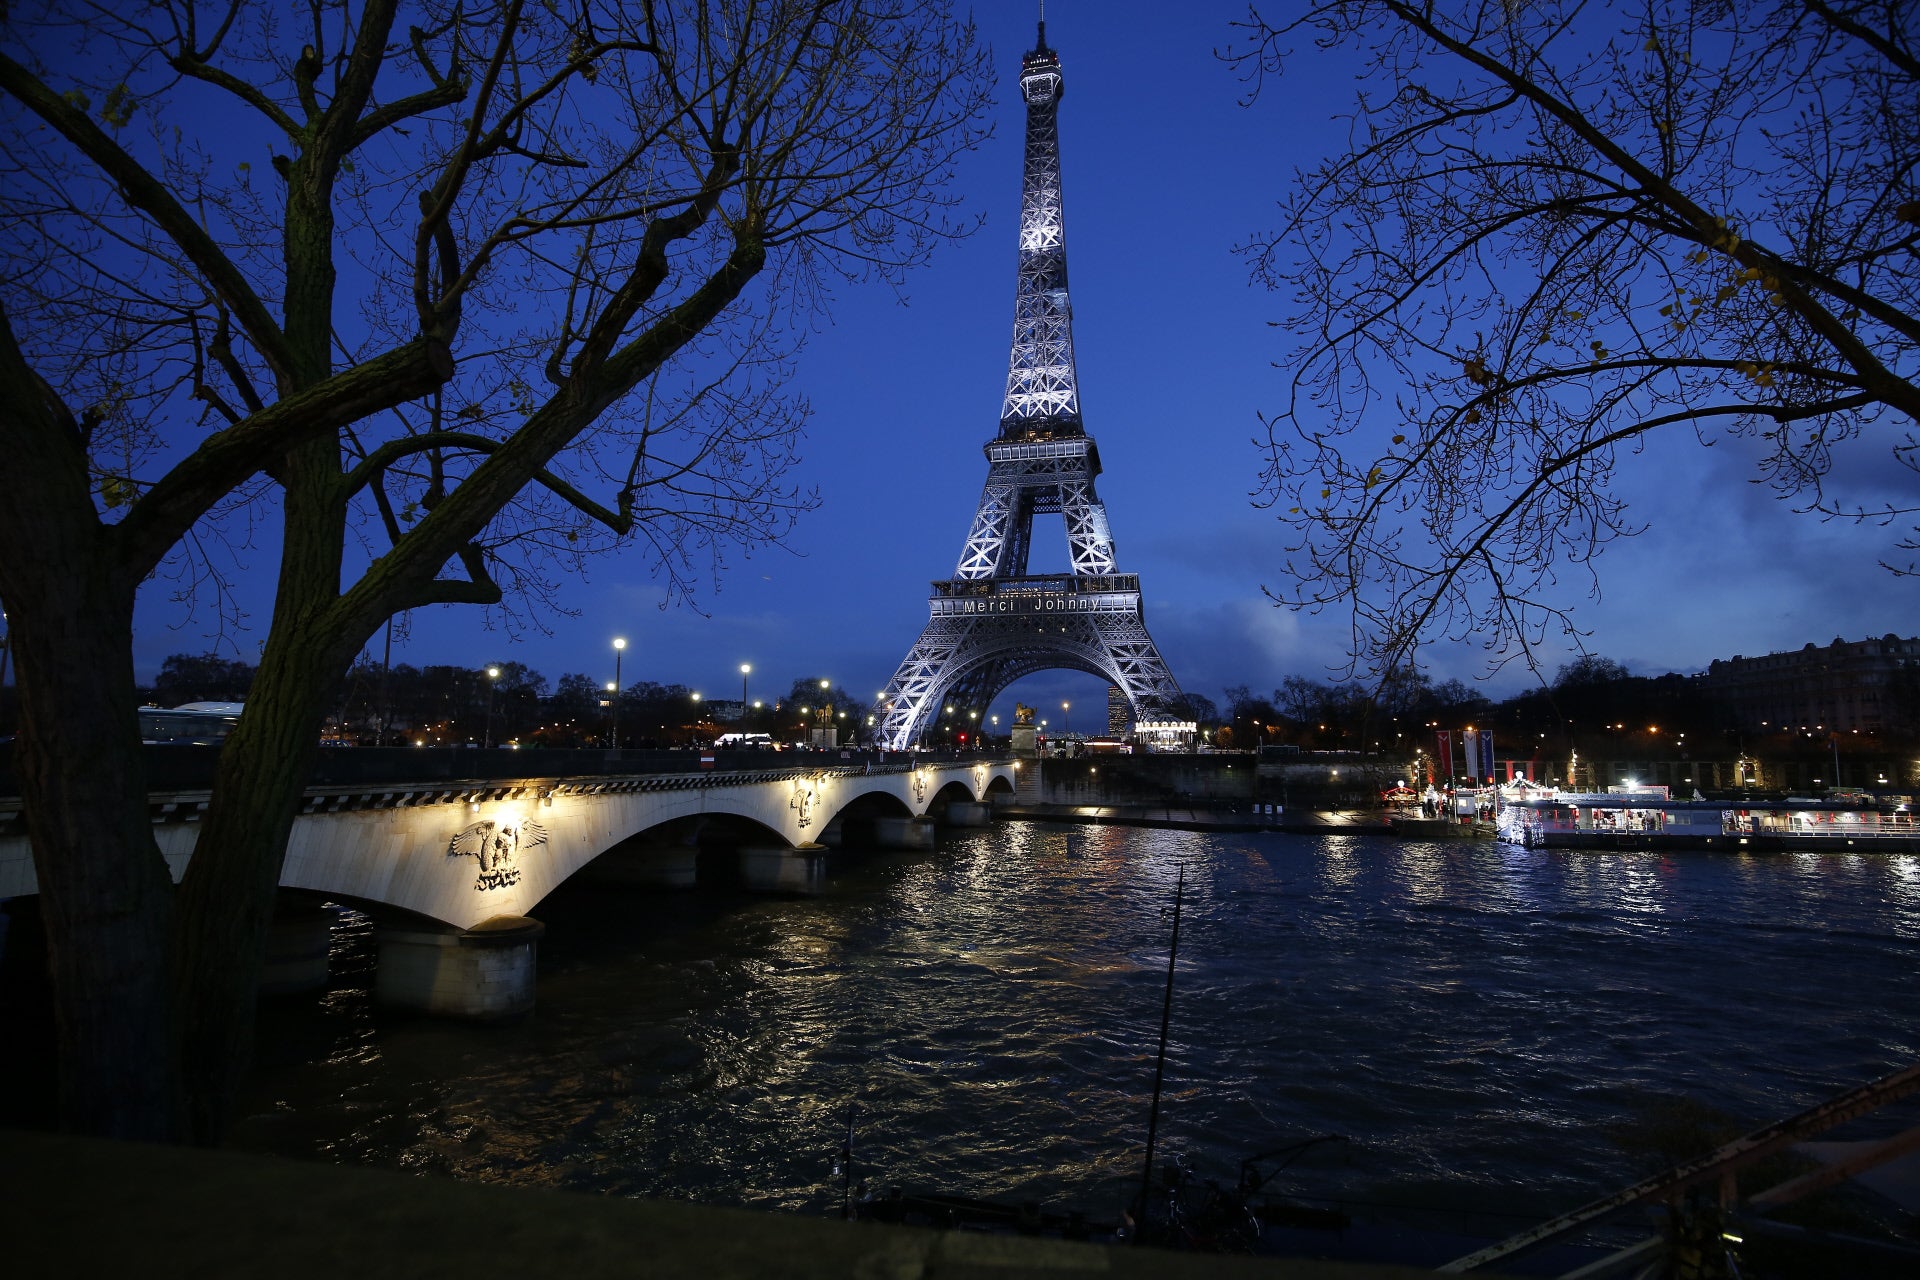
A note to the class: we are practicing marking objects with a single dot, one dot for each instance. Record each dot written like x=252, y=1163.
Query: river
x=1490, y=1027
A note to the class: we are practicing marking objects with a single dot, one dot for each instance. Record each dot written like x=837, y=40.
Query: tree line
x=1591, y=701
x=508, y=702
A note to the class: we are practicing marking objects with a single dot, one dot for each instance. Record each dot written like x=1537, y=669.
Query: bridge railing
x=186, y=768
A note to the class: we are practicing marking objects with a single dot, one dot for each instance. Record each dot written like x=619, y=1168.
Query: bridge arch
x=956, y=791
x=670, y=854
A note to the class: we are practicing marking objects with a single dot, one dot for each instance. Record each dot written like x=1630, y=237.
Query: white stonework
x=499, y=848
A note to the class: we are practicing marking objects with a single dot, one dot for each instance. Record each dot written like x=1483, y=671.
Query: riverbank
x=1315, y=822
x=79, y=1206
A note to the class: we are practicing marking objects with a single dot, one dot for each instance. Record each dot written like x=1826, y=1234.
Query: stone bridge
x=452, y=870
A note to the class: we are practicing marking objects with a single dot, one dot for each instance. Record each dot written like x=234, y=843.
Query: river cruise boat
x=1463, y=814
x=1653, y=820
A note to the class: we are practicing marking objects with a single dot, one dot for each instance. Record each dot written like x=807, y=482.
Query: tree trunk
x=105, y=894
x=104, y=889
x=227, y=895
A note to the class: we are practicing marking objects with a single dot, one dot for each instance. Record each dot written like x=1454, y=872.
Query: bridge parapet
x=321, y=797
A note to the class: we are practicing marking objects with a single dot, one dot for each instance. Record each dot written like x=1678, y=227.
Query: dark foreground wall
x=82, y=1207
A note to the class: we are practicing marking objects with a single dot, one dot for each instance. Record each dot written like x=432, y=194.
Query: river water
x=1483, y=1023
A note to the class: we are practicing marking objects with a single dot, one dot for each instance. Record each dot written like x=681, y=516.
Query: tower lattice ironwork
x=992, y=622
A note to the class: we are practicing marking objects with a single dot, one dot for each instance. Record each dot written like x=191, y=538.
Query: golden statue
x=1022, y=713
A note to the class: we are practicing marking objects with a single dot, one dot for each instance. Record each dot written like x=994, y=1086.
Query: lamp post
x=493, y=683
x=746, y=669
x=619, y=651
x=1066, y=720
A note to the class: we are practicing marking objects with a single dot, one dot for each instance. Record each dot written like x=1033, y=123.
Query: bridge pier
x=646, y=867
x=298, y=945
x=904, y=833
x=969, y=813
x=776, y=870
x=486, y=972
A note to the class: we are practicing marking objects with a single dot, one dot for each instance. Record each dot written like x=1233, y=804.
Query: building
x=1849, y=685
x=1117, y=712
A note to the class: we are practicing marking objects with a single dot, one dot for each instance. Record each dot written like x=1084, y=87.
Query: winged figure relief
x=495, y=845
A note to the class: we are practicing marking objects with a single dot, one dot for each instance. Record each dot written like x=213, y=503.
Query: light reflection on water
x=1474, y=1016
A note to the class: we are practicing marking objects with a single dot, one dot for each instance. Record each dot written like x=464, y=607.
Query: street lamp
x=746, y=669
x=493, y=682
x=1066, y=721
x=619, y=651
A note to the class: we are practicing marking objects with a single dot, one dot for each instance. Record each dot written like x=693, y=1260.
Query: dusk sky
x=1165, y=171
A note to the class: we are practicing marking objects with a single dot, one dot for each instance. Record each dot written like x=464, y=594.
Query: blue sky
x=1165, y=171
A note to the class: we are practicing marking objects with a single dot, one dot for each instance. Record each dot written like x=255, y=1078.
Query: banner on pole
x=1444, y=753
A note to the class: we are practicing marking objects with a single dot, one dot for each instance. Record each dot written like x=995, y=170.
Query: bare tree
x=1559, y=230
x=614, y=216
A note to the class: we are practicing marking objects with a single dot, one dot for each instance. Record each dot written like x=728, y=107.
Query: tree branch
x=140, y=189
x=479, y=587
x=164, y=513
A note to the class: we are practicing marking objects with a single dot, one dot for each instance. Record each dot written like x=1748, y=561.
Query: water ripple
x=1475, y=1017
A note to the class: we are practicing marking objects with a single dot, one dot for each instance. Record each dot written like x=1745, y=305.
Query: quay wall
x=1213, y=779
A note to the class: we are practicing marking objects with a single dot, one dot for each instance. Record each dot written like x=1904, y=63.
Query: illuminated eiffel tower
x=991, y=622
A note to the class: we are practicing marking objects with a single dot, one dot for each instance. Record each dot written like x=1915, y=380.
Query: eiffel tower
x=992, y=622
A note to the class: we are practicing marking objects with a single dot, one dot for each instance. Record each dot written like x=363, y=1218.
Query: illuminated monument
x=991, y=622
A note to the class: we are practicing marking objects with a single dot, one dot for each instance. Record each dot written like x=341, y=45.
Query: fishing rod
x=846, y=1167
x=1160, y=1063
